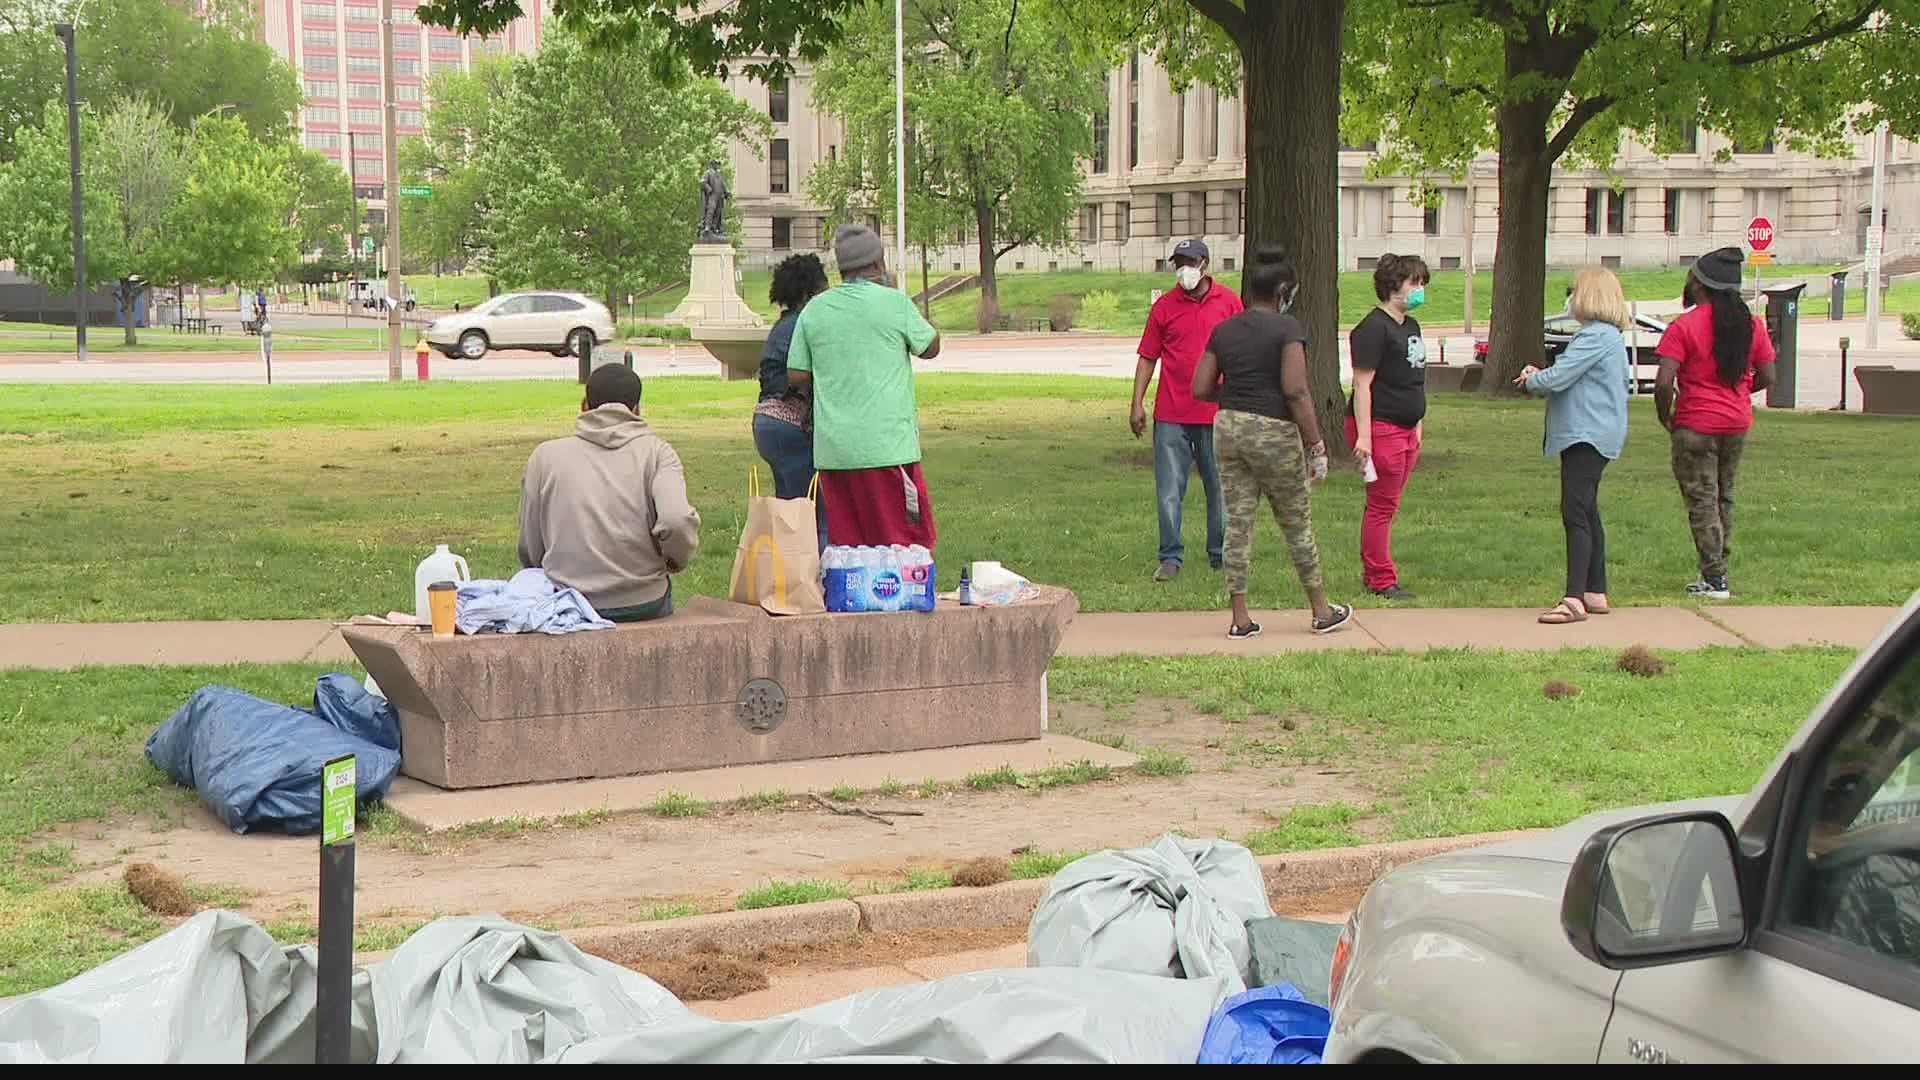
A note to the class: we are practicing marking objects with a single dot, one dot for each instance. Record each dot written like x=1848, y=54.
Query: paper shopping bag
x=778, y=564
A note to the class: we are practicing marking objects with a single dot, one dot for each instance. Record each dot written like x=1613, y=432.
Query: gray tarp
x=1178, y=908
x=481, y=990
x=1296, y=951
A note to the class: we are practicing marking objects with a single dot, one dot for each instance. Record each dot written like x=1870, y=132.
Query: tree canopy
x=1552, y=81
x=1000, y=116
x=185, y=65
x=591, y=168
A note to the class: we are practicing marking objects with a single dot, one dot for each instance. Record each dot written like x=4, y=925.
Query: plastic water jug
x=442, y=565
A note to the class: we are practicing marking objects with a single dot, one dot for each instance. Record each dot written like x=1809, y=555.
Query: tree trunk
x=1520, y=253
x=1291, y=57
x=926, y=303
x=988, y=313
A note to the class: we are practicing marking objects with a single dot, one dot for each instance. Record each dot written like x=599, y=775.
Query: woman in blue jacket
x=1586, y=392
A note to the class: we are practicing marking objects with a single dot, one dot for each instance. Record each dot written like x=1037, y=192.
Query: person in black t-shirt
x=1266, y=435
x=1388, y=405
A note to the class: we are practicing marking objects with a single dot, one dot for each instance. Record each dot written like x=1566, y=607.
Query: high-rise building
x=335, y=47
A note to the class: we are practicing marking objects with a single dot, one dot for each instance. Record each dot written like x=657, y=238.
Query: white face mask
x=1188, y=277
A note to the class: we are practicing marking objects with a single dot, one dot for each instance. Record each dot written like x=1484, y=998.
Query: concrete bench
x=1888, y=390
x=715, y=684
x=1454, y=378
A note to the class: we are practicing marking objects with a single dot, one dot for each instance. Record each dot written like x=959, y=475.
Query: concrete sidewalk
x=1183, y=633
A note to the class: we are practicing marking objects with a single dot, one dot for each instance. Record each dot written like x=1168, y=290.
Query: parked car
x=1559, y=331
x=562, y=323
x=1782, y=926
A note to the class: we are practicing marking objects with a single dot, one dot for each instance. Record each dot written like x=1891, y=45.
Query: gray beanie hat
x=856, y=247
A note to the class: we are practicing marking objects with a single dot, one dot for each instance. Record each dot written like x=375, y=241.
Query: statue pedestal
x=713, y=307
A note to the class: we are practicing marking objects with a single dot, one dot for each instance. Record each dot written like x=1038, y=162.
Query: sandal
x=1563, y=613
x=1599, y=609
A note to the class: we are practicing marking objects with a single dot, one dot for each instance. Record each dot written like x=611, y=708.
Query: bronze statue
x=713, y=205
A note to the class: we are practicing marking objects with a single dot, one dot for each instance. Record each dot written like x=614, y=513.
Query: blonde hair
x=1597, y=297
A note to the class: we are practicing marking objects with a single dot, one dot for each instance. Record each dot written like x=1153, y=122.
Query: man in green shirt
x=853, y=350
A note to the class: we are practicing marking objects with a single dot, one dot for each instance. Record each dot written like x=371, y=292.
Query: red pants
x=877, y=507
x=1394, y=455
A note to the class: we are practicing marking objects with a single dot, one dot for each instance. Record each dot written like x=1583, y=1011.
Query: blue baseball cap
x=1192, y=248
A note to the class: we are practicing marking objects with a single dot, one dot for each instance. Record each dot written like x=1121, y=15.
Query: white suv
x=562, y=323
x=1782, y=926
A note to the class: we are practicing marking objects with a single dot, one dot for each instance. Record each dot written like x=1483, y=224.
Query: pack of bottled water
x=878, y=578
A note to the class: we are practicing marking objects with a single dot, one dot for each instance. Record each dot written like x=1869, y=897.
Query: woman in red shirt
x=1713, y=359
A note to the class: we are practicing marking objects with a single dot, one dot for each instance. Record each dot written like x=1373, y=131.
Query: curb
x=1008, y=904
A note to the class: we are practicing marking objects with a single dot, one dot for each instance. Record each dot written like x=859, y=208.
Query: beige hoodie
x=605, y=511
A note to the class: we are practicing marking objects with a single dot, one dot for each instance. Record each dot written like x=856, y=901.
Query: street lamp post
x=389, y=144
x=900, y=144
x=64, y=31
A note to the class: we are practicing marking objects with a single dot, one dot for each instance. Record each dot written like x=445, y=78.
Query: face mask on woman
x=1416, y=297
x=1188, y=277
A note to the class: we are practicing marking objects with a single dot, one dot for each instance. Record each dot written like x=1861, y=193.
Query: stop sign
x=1759, y=234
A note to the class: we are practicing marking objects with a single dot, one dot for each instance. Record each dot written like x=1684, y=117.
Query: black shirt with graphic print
x=1397, y=356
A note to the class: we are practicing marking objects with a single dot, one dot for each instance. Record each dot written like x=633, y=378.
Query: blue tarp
x=1271, y=1025
x=257, y=763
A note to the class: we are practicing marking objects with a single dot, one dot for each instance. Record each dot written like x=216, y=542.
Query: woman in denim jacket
x=1586, y=391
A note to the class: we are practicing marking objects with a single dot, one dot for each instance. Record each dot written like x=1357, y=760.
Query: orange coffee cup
x=440, y=597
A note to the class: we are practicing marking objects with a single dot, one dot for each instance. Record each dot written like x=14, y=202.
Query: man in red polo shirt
x=1177, y=331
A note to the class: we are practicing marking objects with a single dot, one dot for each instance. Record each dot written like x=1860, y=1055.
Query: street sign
x=1876, y=241
x=337, y=787
x=1761, y=258
x=416, y=191
x=1759, y=234
x=366, y=244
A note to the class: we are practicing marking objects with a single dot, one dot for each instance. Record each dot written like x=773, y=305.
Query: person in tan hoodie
x=605, y=510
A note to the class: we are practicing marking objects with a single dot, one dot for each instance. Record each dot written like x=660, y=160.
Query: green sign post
x=416, y=191
x=336, y=801
x=333, y=1007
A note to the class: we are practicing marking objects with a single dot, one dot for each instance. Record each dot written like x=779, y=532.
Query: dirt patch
x=704, y=975
x=158, y=891
x=1327, y=903
x=1640, y=660
x=724, y=968
x=981, y=872
x=1560, y=690
x=628, y=868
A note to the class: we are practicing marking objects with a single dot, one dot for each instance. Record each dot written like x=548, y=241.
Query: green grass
x=663, y=912
x=231, y=502
x=1464, y=741
x=1041, y=864
x=1074, y=772
x=676, y=804
x=788, y=893
x=18, y=337
x=914, y=879
x=1027, y=294
x=1161, y=763
x=763, y=800
x=845, y=792
x=1308, y=827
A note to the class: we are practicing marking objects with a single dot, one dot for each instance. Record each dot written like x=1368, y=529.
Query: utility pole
x=900, y=146
x=1876, y=234
x=1468, y=284
x=64, y=31
x=390, y=148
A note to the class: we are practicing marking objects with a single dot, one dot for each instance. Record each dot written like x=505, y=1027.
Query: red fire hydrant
x=420, y=359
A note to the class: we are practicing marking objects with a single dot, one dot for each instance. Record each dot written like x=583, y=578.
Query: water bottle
x=854, y=591
x=833, y=580
x=919, y=577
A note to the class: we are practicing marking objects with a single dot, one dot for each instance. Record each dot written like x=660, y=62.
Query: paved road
x=1818, y=378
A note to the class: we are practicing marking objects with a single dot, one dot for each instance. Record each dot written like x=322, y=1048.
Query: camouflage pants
x=1260, y=456
x=1705, y=466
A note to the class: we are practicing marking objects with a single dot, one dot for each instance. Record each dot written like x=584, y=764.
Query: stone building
x=1169, y=165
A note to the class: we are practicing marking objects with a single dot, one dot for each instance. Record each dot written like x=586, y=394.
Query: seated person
x=605, y=510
